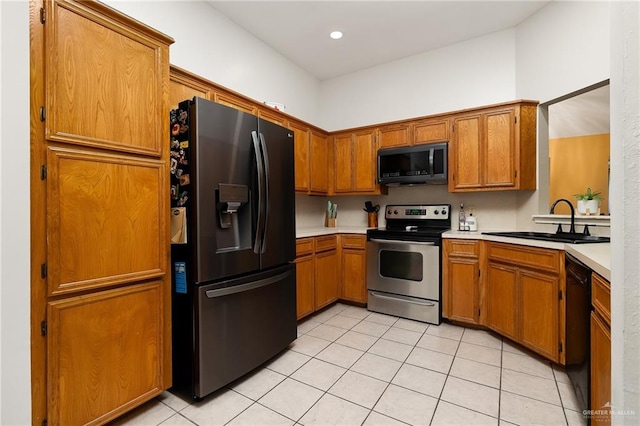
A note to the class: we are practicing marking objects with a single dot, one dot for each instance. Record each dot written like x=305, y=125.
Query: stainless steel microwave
x=419, y=164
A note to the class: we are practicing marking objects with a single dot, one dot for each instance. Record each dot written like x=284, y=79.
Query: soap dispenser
x=472, y=223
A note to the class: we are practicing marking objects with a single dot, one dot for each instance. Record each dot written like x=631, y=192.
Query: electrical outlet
x=471, y=210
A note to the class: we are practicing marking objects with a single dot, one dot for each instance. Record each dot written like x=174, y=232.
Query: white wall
x=15, y=377
x=473, y=73
x=562, y=48
x=210, y=45
x=493, y=212
x=625, y=197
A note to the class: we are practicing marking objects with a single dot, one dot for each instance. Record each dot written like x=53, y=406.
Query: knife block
x=330, y=222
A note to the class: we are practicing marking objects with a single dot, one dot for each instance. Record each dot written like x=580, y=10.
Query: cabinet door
x=465, y=154
x=106, y=219
x=101, y=80
x=538, y=313
x=319, y=163
x=301, y=152
x=272, y=116
x=501, y=295
x=326, y=278
x=105, y=353
x=430, y=131
x=354, y=286
x=499, y=149
x=364, y=178
x=182, y=88
x=343, y=159
x=305, y=291
x=235, y=101
x=463, y=281
x=600, y=368
x=394, y=136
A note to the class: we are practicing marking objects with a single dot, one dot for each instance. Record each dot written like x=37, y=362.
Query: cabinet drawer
x=325, y=243
x=540, y=259
x=354, y=241
x=463, y=248
x=601, y=296
x=304, y=246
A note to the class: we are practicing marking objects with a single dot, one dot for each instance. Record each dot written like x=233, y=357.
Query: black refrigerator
x=233, y=244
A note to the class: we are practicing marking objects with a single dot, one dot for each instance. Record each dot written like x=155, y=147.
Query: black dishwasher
x=578, y=293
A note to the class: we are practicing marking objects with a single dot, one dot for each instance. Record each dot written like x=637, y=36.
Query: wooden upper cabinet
x=499, y=167
x=394, y=136
x=431, y=131
x=355, y=155
x=319, y=160
x=301, y=152
x=273, y=116
x=418, y=132
x=235, y=101
x=494, y=149
x=343, y=162
x=184, y=85
x=465, y=155
x=106, y=221
x=365, y=156
x=100, y=81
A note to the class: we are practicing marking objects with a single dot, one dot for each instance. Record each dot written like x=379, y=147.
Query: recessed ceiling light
x=336, y=35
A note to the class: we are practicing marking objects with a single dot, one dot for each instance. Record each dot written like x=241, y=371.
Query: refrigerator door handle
x=265, y=159
x=246, y=287
x=260, y=166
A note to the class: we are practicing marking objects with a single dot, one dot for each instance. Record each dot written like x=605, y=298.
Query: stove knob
x=395, y=212
x=444, y=211
x=436, y=212
x=389, y=212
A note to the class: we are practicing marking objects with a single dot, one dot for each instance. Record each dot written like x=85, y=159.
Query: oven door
x=408, y=268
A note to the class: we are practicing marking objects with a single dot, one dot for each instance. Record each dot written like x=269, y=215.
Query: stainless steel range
x=403, y=262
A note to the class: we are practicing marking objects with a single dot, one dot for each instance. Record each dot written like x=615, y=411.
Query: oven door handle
x=421, y=243
x=404, y=299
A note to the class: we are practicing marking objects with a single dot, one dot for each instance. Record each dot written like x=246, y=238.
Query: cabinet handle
x=420, y=243
x=404, y=299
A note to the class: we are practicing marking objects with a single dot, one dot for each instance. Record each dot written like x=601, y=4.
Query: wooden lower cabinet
x=600, y=349
x=501, y=290
x=305, y=288
x=327, y=278
x=524, y=287
x=330, y=268
x=514, y=290
x=105, y=353
x=538, y=312
x=461, y=280
x=354, y=268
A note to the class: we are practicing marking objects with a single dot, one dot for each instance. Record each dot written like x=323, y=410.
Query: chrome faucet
x=573, y=214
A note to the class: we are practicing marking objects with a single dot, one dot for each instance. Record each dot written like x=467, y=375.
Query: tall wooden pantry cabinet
x=100, y=291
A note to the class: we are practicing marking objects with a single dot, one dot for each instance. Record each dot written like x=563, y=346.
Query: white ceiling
x=375, y=32
x=585, y=114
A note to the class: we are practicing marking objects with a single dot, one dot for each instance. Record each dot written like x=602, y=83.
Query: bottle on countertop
x=462, y=219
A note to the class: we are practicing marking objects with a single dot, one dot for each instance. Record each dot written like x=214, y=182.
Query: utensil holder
x=372, y=220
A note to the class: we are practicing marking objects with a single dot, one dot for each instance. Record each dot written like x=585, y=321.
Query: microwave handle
x=431, y=168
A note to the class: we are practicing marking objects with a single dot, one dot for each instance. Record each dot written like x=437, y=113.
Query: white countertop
x=596, y=256
x=314, y=231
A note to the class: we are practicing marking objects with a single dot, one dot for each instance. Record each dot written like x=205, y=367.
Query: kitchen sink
x=560, y=237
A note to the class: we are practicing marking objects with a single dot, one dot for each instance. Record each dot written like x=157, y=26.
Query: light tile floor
x=350, y=366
